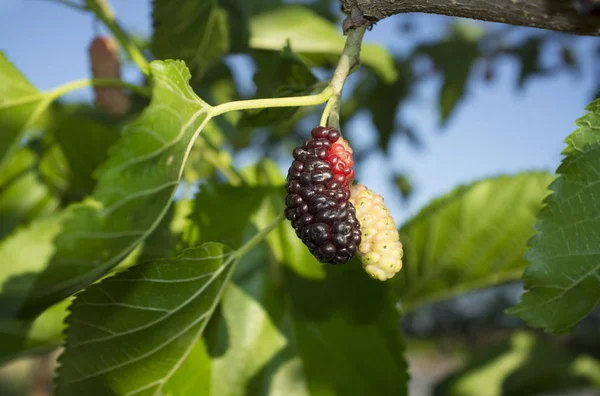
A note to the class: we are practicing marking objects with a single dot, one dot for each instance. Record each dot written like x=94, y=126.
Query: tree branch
x=559, y=15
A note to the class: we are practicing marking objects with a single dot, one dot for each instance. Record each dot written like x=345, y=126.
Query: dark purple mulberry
x=317, y=203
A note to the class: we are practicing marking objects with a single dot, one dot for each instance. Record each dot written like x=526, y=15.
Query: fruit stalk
x=348, y=63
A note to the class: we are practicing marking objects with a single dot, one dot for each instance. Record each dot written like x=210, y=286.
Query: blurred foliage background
x=458, y=344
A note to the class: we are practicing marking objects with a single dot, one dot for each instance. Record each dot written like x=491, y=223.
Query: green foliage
x=23, y=196
x=279, y=75
x=24, y=255
x=134, y=190
x=453, y=57
x=275, y=334
x=562, y=280
x=20, y=105
x=519, y=366
x=383, y=101
x=199, y=33
x=24, y=337
x=315, y=39
x=210, y=293
x=529, y=53
x=141, y=324
x=80, y=138
x=472, y=238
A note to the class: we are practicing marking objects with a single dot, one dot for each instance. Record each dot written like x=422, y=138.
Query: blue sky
x=496, y=129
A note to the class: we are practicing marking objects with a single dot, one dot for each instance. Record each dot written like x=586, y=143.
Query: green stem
x=258, y=238
x=103, y=11
x=310, y=100
x=325, y=115
x=349, y=61
x=96, y=82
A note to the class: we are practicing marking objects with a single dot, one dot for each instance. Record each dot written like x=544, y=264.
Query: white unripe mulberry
x=380, y=250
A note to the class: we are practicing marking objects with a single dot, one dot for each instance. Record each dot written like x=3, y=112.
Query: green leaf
x=332, y=334
x=164, y=241
x=529, y=53
x=383, y=101
x=20, y=105
x=23, y=196
x=404, y=185
x=222, y=213
x=279, y=75
x=472, y=238
x=83, y=138
x=248, y=338
x=454, y=57
x=198, y=32
x=141, y=324
x=347, y=330
x=25, y=337
x=23, y=256
x=134, y=190
x=519, y=366
x=317, y=40
x=563, y=277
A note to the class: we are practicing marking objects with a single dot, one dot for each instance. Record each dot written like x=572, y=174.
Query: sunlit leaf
x=519, y=366
x=135, y=188
x=563, y=277
x=20, y=105
x=140, y=325
x=314, y=38
x=23, y=256
x=242, y=342
x=472, y=238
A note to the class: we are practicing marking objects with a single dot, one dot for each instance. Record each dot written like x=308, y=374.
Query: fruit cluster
x=317, y=204
x=380, y=250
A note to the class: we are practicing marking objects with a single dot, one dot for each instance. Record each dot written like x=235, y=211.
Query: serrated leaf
x=198, y=32
x=472, y=238
x=454, y=58
x=20, y=105
x=279, y=75
x=562, y=281
x=141, y=324
x=135, y=188
x=314, y=38
x=22, y=195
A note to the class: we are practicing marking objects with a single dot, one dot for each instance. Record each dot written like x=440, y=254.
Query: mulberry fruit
x=318, y=187
x=380, y=250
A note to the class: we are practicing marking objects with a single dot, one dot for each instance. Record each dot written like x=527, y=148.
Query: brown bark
x=559, y=15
